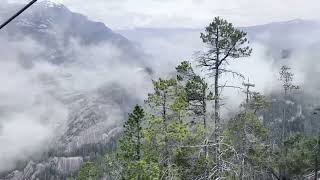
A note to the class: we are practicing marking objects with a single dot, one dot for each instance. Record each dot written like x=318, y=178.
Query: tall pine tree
x=224, y=43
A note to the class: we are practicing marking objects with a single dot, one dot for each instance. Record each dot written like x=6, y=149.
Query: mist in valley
x=64, y=90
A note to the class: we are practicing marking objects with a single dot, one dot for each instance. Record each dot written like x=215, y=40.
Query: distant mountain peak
x=295, y=21
x=49, y=4
x=54, y=26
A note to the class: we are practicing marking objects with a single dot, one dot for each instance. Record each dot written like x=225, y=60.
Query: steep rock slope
x=77, y=63
x=54, y=26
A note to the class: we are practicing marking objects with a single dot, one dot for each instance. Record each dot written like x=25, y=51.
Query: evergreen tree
x=299, y=157
x=88, y=171
x=224, y=42
x=258, y=102
x=130, y=144
x=286, y=78
x=132, y=159
x=247, y=136
x=160, y=102
x=173, y=136
x=196, y=89
x=198, y=96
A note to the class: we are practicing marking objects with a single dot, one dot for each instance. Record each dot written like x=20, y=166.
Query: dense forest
x=181, y=133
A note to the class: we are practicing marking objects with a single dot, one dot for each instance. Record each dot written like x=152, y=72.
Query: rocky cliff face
x=85, y=80
x=54, y=27
x=61, y=167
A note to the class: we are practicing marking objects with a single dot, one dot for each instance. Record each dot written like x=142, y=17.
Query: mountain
x=285, y=33
x=279, y=37
x=80, y=81
x=286, y=37
x=54, y=26
x=294, y=43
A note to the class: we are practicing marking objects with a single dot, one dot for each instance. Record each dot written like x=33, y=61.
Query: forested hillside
x=179, y=133
x=82, y=101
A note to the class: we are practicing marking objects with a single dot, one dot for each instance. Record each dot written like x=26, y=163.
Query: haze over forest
x=193, y=89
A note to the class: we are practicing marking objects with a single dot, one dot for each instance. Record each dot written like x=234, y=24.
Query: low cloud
x=171, y=46
x=122, y=14
x=34, y=93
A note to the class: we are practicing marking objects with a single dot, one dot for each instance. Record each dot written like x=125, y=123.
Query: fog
x=180, y=45
x=33, y=91
x=33, y=111
x=171, y=46
x=29, y=114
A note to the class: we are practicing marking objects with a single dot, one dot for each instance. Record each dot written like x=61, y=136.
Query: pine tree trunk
x=217, y=124
x=283, y=172
x=217, y=108
x=139, y=147
x=243, y=149
x=166, y=150
x=316, y=168
x=204, y=111
x=317, y=160
x=204, y=106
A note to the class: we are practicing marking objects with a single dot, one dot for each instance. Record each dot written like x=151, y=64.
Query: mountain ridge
x=87, y=127
x=75, y=65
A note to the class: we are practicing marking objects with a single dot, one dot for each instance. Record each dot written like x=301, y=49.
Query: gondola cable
x=17, y=14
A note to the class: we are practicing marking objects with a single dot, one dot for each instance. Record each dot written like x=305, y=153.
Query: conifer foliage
x=178, y=133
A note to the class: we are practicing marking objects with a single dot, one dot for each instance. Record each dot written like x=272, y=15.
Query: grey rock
x=94, y=116
x=61, y=166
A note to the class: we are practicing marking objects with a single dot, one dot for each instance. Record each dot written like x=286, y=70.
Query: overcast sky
x=122, y=14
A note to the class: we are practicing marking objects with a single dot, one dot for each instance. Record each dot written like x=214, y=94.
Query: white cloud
x=34, y=106
x=191, y=13
x=29, y=115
